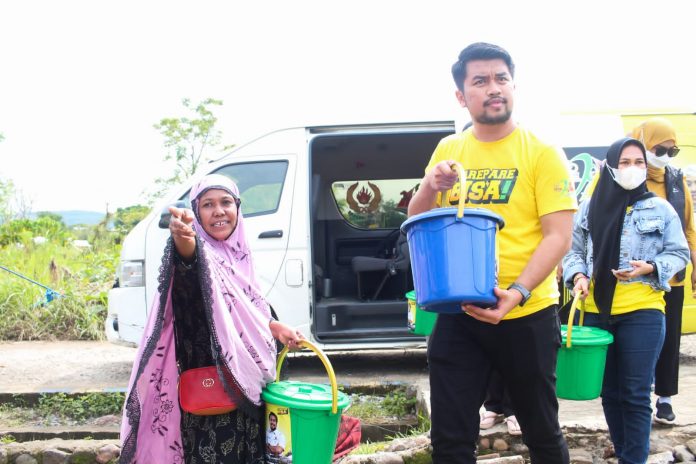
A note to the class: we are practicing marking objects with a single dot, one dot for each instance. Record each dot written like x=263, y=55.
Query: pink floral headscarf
x=242, y=344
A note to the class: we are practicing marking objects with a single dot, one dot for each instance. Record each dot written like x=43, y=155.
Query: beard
x=493, y=120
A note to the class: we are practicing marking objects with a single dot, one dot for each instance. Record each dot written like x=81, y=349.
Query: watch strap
x=526, y=294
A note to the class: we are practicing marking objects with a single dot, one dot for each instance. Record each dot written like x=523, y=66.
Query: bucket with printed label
x=454, y=255
x=302, y=419
x=419, y=322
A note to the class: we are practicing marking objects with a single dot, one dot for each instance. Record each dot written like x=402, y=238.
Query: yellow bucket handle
x=571, y=318
x=462, y=187
x=327, y=366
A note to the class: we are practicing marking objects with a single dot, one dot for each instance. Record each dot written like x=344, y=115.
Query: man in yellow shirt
x=527, y=182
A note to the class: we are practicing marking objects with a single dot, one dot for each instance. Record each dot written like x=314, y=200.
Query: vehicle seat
x=398, y=264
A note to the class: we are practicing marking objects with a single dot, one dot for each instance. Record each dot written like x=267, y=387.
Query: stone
x=506, y=460
x=500, y=445
x=26, y=459
x=417, y=456
x=54, y=456
x=580, y=456
x=519, y=448
x=691, y=445
x=665, y=457
x=107, y=420
x=659, y=445
x=107, y=453
x=385, y=458
x=485, y=443
x=3, y=455
x=681, y=454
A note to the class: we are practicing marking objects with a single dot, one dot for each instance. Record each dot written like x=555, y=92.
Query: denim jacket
x=651, y=232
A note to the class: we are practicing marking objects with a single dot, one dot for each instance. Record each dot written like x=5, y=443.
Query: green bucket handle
x=571, y=318
x=462, y=187
x=327, y=366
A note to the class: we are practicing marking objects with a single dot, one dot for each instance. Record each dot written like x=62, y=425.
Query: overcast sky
x=82, y=82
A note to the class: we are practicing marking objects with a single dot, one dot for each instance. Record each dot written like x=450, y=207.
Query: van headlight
x=131, y=274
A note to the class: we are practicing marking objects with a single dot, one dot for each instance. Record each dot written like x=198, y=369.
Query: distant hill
x=73, y=217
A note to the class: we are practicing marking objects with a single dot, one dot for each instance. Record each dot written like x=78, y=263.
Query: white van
x=323, y=206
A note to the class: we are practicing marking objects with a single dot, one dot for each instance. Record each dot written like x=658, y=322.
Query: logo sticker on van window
x=365, y=200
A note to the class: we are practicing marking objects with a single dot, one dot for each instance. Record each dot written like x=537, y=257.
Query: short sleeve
x=554, y=187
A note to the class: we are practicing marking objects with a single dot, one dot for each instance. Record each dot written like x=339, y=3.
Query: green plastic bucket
x=307, y=417
x=581, y=360
x=419, y=322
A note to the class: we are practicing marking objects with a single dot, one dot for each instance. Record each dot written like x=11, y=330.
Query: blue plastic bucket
x=454, y=260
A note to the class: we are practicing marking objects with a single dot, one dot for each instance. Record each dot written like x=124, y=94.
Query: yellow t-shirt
x=520, y=178
x=629, y=297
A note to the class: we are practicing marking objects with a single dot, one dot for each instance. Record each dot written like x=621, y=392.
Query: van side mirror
x=166, y=216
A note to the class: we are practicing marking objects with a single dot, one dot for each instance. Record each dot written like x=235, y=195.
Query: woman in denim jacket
x=627, y=245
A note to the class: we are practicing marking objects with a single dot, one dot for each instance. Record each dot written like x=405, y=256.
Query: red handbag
x=201, y=392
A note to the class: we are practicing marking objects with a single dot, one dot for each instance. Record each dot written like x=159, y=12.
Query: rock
x=500, y=445
x=107, y=453
x=485, y=443
x=107, y=420
x=519, y=448
x=3, y=455
x=691, y=445
x=506, y=460
x=681, y=453
x=659, y=445
x=25, y=459
x=54, y=456
x=384, y=458
x=417, y=456
x=661, y=458
x=580, y=456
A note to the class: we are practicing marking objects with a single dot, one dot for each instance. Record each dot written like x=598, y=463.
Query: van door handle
x=271, y=234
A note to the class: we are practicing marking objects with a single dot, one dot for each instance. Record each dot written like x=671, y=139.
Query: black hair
x=272, y=414
x=479, y=51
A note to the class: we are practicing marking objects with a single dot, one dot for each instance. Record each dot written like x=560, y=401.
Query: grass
x=398, y=403
x=81, y=277
x=62, y=409
x=375, y=447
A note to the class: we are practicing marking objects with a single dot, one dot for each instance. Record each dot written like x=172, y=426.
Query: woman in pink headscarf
x=208, y=312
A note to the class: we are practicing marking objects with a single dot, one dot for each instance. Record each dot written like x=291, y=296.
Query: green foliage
x=186, y=140
x=81, y=407
x=7, y=193
x=82, y=277
x=7, y=439
x=126, y=218
x=400, y=402
x=51, y=215
x=370, y=447
x=22, y=231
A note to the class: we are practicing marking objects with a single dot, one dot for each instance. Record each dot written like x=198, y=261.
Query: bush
x=82, y=277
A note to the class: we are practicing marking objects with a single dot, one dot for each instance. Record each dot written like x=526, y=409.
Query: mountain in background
x=74, y=217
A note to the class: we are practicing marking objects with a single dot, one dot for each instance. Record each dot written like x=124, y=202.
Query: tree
x=49, y=214
x=126, y=218
x=7, y=193
x=187, y=140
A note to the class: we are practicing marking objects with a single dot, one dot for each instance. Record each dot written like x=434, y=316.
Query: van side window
x=260, y=185
x=374, y=204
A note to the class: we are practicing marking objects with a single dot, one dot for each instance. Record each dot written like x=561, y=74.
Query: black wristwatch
x=654, y=272
x=526, y=294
